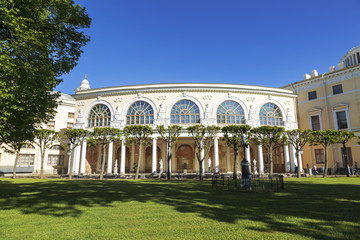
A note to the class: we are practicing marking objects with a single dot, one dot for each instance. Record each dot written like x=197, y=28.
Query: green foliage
x=75, y=135
x=270, y=137
x=236, y=136
x=342, y=138
x=325, y=139
x=44, y=138
x=137, y=135
x=104, y=136
x=169, y=135
x=203, y=138
x=298, y=139
x=39, y=42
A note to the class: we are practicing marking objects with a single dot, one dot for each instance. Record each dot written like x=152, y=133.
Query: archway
x=185, y=158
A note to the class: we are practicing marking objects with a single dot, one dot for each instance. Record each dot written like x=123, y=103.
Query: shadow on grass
x=319, y=209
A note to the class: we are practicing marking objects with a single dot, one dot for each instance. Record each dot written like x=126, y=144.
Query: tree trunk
x=15, y=164
x=201, y=169
x=103, y=163
x=168, y=175
x=71, y=162
x=139, y=161
x=42, y=153
x=326, y=163
x=346, y=161
x=298, y=164
x=236, y=150
x=271, y=167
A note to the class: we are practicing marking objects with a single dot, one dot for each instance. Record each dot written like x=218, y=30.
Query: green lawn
x=310, y=208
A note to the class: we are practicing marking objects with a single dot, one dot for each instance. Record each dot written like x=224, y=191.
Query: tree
x=76, y=137
x=325, y=139
x=236, y=136
x=270, y=137
x=16, y=138
x=170, y=136
x=137, y=135
x=104, y=136
x=343, y=137
x=204, y=139
x=44, y=138
x=298, y=139
x=39, y=42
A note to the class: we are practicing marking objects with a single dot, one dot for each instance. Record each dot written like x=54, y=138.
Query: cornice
x=188, y=87
x=325, y=77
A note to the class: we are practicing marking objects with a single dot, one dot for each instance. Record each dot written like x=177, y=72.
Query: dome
x=84, y=85
x=351, y=58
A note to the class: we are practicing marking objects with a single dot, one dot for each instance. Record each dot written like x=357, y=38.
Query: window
x=71, y=115
x=99, y=116
x=51, y=125
x=348, y=153
x=56, y=147
x=270, y=114
x=185, y=111
x=69, y=125
x=28, y=146
x=55, y=160
x=315, y=123
x=312, y=95
x=140, y=112
x=341, y=120
x=230, y=112
x=26, y=160
x=319, y=156
x=337, y=89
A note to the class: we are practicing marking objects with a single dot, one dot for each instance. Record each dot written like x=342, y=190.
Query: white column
x=110, y=158
x=287, y=159
x=70, y=157
x=77, y=159
x=247, y=156
x=301, y=165
x=173, y=159
x=216, y=155
x=154, y=155
x=261, y=159
x=203, y=162
x=293, y=159
x=83, y=157
x=122, y=159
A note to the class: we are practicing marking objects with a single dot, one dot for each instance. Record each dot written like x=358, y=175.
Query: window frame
x=337, y=89
x=319, y=152
x=185, y=116
x=312, y=97
x=266, y=117
x=234, y=118
x=97, y=120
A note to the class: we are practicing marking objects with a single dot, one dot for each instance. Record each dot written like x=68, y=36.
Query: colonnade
x=80, y=158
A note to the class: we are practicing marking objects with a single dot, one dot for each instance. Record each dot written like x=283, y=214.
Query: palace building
x=331, y=101
x=318, y=102
x=182, y=104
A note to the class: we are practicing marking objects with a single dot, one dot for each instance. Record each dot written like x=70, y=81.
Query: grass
x=310, y=208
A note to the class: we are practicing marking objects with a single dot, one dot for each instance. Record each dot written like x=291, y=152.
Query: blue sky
x=266, y=43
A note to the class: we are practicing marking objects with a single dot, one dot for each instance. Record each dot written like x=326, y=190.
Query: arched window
x=185, y=111
x=28, y=146
x=230, y=112
x=56, y=147
x=140, y=112
x=270, y=114
x=99, y=116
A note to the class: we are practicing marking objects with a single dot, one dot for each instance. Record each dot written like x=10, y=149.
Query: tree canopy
x=40, y=40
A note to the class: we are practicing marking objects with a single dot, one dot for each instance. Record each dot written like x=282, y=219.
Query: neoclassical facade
x=182, y=104
x=331, y=101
